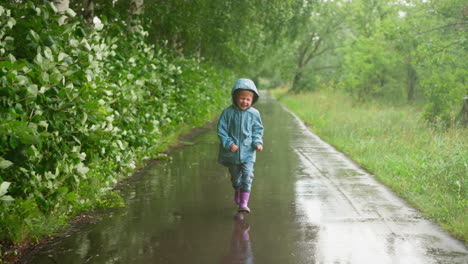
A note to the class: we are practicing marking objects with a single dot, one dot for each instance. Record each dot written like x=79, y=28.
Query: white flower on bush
x=81, y=169
x=101, y=102
x=82, y=156
x=110, y=118
x=131, y=165
x=109, y=127
x=43, y=124
x=120, y=144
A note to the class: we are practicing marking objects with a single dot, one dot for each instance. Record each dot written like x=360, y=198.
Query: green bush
x=82, y=108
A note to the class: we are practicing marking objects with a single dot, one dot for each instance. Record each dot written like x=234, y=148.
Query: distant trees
x=237, y=34
x=405, y=51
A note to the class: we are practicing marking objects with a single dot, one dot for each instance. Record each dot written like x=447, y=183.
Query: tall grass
x=426, y=166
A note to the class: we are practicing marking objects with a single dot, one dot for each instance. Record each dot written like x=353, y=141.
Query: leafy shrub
x=81, y=108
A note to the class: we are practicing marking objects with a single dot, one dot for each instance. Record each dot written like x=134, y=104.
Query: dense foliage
x=238, y=34
x=82, y=108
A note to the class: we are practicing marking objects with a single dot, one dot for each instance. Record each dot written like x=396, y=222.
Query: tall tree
x=88, y=12
x=318, y=38
x=442, y=58
x=136, y=10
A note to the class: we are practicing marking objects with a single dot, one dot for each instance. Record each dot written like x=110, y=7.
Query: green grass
x=427, y=167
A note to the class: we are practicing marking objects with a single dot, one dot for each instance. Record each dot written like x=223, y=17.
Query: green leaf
x=5, y=163
x=61, y=56
x=70, y=12
x=43, y=203
x=11, y=22
x=22, y=80
x=44, y=78
x=56, y=77
x=48, y=54
x=39, y=59
x=52, y=6
x=71, y=197
x=74, y=43
x=32, y=89
x=6, y=198
x=4, y=188
x=89, y=76
x=11, y=57
x=34, y=36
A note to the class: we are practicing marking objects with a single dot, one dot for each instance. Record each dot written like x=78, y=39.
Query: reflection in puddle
x=241, y=248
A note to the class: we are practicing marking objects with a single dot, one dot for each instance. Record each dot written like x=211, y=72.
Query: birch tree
x=136, y=10
x=88, y=12
x=62, y=6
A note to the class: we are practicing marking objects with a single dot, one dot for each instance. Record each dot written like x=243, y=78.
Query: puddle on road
x=303, y=211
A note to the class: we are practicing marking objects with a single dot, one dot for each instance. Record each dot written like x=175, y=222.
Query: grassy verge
x=427, y=167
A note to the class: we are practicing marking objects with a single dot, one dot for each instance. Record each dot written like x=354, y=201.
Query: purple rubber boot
x=237, y=196
x=244, y=200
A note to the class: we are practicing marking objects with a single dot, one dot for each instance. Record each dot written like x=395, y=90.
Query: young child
x=240, y=132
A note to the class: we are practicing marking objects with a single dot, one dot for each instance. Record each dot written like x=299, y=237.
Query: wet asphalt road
x=310, y=204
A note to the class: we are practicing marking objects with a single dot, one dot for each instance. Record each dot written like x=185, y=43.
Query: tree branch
x=319, y=53
x=304, y=51
x=312, y=54
x=441, y=27
x=325, y=67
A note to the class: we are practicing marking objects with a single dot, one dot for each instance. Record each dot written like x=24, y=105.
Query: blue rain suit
x=245, y=129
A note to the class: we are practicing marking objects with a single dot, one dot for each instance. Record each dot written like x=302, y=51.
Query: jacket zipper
x=240, y=133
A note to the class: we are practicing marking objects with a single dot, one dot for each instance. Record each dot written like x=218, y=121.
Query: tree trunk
x=136, y=9
x=411, y=83
x=88, y=12
x=62, y=6
x=300, y=64
x=198, y=51
x=463, y=115
x=297, y=78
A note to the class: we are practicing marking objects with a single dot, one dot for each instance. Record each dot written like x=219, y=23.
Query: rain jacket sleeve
x=223, y=132
x=257, y=131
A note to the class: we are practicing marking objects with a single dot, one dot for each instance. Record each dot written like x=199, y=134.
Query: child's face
x=244, y=99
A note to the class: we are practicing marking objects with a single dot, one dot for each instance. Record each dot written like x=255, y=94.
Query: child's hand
x=234, y=148
x=259, y=148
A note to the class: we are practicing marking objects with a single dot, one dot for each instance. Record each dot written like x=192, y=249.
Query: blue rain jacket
x=241, y=127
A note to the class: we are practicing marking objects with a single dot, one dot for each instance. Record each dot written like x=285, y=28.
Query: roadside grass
x=428, y=167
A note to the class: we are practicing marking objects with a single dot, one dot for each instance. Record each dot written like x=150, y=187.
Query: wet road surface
x=310, y=204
